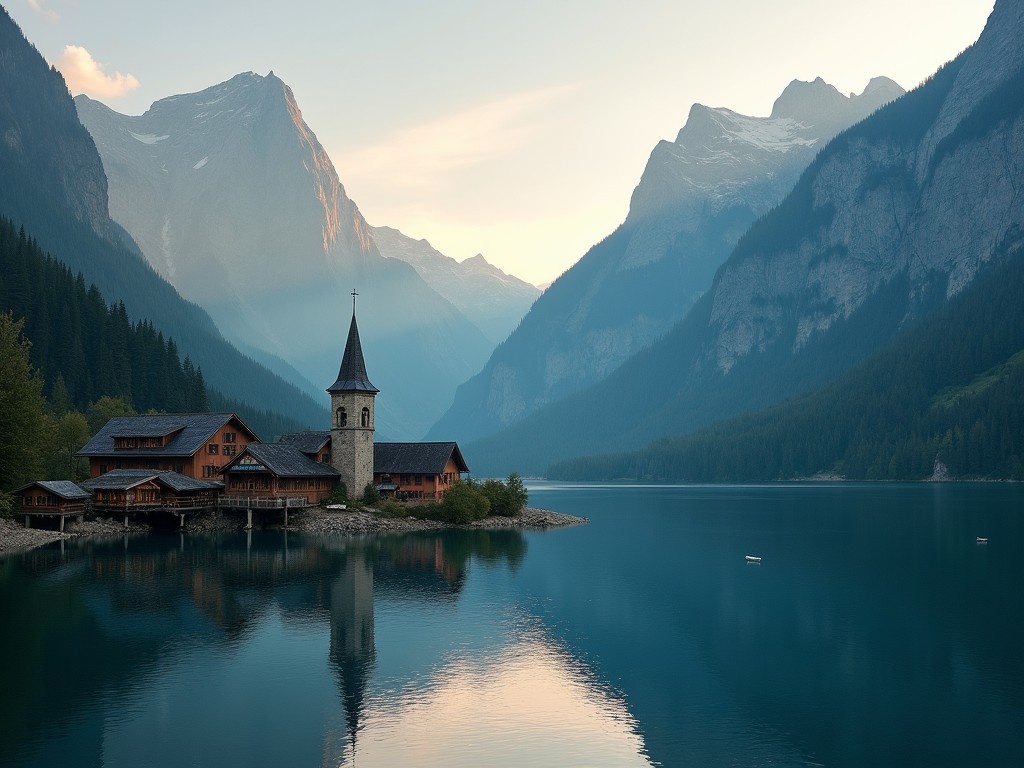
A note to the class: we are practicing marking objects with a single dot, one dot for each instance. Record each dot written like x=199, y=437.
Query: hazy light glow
x=531, y=704
x=518, y=130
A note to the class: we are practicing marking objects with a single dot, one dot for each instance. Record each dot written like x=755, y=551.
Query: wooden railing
x=263, y=502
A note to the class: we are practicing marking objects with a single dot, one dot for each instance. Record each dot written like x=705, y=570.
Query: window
x=213, y=449
x=28, y=500
x=209, y=470
x=179, y=468
x=419, y=479
x=103, y=469
x=365, y=418
x=229, y=437
x=340, y=418
x=230, y=450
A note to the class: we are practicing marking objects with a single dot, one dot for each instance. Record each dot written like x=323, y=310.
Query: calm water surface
x=875, y=631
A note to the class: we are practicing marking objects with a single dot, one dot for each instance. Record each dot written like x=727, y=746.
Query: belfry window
x=341, y=417
x=365, y=419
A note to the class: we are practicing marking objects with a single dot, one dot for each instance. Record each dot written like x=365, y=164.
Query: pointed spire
x=352, y=375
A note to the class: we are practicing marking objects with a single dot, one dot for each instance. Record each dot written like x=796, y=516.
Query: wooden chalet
x=416, y=471
x=52, y=498
x=196, y=445
x=129, y=491
x=277, y=471
x=315, y=444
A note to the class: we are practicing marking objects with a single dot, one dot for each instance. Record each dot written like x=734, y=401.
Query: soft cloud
x=85, y=75
x=37, y=6
x=419, y=156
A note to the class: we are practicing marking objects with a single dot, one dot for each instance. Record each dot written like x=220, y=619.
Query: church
x=406, y=471
x=222, y=451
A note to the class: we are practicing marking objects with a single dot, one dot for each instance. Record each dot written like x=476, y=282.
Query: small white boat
x=982, y=540
x=337, y=506
x=752, y=559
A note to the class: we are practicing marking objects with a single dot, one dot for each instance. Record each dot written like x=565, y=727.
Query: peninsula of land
x=354, y=522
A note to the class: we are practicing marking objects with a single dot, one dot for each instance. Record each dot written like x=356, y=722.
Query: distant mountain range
x=54, y=185
x=234, y=201
x=893, y=218
x=492, y=300
x=695, y=199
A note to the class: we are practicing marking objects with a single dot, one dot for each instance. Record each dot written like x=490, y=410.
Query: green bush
x=464, y=502
x=8, y=505
x=392, y=508
x=507, y=498
x=370, y=495
x=338, y=496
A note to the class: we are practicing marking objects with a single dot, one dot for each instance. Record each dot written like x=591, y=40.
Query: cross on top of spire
x=354, y=294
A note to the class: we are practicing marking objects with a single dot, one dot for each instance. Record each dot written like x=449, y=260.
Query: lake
x=876, y=630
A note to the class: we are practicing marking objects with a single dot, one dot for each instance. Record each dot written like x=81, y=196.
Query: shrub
x=370, y=495
x=464, y=503
x=338, y=496
x=507, y=498
x=392, y=508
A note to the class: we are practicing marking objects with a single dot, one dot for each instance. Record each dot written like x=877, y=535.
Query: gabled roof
x=63, y=488
x=190, y=432
x=308, y=442
x=125, y=479
x=283, y=460
x=352, y=375
x=416, y=458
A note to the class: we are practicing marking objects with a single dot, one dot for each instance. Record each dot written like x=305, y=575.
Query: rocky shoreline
x=15, y=537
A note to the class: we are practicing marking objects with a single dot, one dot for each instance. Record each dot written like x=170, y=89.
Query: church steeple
x=352, y=415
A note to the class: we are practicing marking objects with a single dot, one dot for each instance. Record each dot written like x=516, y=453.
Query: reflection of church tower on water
x=353, y=652
x=352, y=415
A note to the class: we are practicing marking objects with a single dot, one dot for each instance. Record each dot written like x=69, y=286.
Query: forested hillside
x=946, y=398
x=91, y=349
x=86, y=350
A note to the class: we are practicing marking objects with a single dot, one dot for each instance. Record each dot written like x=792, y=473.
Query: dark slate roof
x=193, y=430
x=63, y=488
x=416, y=458
x=352, y=375
x=307, y=442
x=119, y=479
x=123, y=479
x=284, y=461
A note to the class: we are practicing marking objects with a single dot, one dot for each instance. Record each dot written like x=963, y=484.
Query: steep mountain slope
x=697, y=195
x=54, y=185
x=895, y=216
x=492, y=300
x=232, y=199
x=935, y=401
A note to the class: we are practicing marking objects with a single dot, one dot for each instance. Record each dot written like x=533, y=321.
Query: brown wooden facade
x=278, y=471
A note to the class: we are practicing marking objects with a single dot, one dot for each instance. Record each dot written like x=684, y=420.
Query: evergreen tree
x=22, y=424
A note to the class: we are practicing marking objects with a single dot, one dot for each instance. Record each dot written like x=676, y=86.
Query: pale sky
x=513, y=129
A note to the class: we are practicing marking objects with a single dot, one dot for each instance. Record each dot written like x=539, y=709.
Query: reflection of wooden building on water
x=52, y=498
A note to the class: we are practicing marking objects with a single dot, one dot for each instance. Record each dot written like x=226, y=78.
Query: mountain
x=493, y=301
x=232, y=199
x=936, y=404
x=54, y=185
x=894, y=217
x=697, y=196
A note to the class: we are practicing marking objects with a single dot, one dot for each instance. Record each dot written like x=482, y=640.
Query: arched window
x=341, y=417
x=366, y=417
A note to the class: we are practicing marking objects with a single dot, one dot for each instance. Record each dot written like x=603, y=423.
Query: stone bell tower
x=352, y=415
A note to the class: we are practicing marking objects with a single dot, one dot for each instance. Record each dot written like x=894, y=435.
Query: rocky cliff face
x=697, y=196
x=894, y=216
x=232, y=199
x=45, y=148
x=491, y=299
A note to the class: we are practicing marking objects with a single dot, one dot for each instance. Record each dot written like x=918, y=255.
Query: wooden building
x=52, y=498
x=278, y=471
x=196, y=445
x=143, y=490
x=416, y=471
